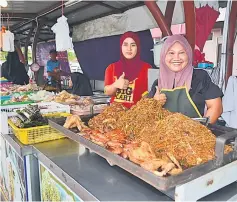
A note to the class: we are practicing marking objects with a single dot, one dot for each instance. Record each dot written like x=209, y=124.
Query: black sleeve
x=210, y=90
x=153, y=89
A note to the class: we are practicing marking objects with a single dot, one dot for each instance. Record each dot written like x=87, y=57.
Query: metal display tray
x=223, y=134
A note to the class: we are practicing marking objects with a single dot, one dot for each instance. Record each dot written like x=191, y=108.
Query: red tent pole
x=231, y=39
x=169, y=12
x=190, y=21
x=159, y=17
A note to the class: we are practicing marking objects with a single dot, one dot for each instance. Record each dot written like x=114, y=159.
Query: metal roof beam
x=45, y=40
x=53, y=8
x=88, y=5
x=140, y=3
x=23, y=30
x=14, y=19
x=18, y=15
x=101, y=3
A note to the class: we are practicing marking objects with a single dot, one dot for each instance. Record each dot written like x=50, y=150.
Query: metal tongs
x=205, y=120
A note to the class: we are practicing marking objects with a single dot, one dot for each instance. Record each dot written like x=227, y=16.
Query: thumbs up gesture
x=121, y=82
x=160, y=96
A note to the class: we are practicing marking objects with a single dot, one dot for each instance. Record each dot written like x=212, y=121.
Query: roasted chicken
x=146, y=158
x=74, y=121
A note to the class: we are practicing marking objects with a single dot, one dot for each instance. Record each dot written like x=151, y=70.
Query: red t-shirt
x=136, y=89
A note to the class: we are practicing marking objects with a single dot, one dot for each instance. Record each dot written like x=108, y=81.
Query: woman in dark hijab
x=126, y=80
x=13, y=70
x=81, y=84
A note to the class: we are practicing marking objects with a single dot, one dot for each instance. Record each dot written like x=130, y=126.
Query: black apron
x=81, y=84
x=179, y=100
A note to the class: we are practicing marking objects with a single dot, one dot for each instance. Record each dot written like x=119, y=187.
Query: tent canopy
x=21, y=14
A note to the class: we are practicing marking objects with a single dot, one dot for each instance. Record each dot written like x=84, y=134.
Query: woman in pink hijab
x=182, y=88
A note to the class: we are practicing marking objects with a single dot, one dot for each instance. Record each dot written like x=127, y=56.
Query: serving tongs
x=205, y=120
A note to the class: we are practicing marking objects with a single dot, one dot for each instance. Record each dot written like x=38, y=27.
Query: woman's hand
x=121, y=83
x=160, y=96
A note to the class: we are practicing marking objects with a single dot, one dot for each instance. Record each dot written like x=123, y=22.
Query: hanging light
x=3, y=3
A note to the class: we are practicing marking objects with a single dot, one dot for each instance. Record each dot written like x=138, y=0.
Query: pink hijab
x=169, y=79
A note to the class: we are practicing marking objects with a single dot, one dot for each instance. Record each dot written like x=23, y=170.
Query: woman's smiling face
x=176, y=57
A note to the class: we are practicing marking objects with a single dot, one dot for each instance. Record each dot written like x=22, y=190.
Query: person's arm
x=111, y=86
x=212, y=95
x=155, y=93
x=20, y=55
x=214, y=109
x=152, y=92
x=50, y=71
x=110, y=90
x=52, y=74
x=120, y=83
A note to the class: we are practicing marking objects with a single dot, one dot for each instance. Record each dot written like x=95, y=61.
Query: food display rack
x=82, y=168
x=91, y=109
x=223, y=168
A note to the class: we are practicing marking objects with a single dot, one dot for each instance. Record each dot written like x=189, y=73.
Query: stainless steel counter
x=20, y=149
x=94, y=173
x=92, y=178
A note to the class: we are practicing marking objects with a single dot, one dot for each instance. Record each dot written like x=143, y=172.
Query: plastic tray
x=45, y=107
x=38, y=134
x=5, y=84
x=15, y=103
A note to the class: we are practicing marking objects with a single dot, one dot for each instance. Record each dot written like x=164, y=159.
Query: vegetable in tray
x=29, y=116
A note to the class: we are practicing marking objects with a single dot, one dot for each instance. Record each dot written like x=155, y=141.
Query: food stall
x=20, y=176
x=73, y=157
x=84, y=164
x=84, y=175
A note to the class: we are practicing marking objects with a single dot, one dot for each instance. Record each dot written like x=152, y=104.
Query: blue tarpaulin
x=95, y=55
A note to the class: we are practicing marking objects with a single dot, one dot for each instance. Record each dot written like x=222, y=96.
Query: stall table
x=87, y=176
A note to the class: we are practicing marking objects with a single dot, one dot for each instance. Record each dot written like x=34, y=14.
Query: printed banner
x=42, y=56
x=12, y=180
x=53, y=189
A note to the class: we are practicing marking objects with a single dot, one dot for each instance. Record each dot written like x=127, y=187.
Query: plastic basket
x=3, y=79
x=45, y=108
x=38, y=134
x=5, y=84
x=8, y=97
x=5, y=97
x=15, y=103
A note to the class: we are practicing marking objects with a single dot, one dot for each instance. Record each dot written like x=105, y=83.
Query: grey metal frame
x=161, y=183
